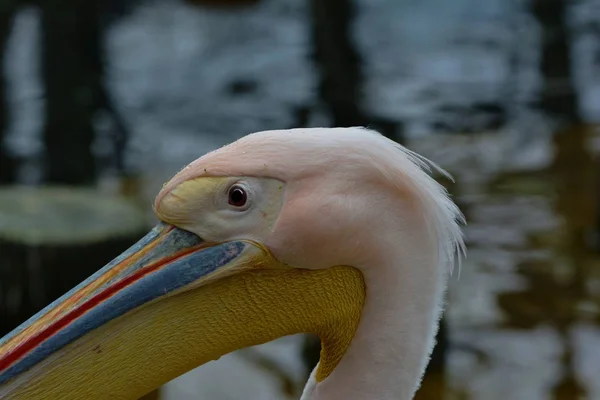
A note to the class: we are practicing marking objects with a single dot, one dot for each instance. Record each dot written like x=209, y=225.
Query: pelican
x=339, y=232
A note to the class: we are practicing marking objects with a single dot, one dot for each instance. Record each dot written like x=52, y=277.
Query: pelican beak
x=165, y=306
x=166, y=262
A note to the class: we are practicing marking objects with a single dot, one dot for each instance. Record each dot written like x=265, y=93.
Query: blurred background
x=103, y=101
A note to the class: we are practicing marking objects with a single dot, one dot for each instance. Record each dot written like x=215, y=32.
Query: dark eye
x=237, y=196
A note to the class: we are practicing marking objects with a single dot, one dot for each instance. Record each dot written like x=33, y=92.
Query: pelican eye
x=237, y=196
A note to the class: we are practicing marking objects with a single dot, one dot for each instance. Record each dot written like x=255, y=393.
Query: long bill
x=167, y=305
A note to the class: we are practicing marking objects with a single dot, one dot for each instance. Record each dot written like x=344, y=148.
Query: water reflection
x=525, y=315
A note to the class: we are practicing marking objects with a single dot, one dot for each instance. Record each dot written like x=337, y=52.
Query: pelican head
x=337, y=232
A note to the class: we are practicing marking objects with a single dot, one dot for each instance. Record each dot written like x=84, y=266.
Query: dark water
x=524, y=317
x=525, y=314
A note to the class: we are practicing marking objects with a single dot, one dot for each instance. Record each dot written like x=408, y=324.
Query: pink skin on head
x=322, y=169
x=355, y=198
